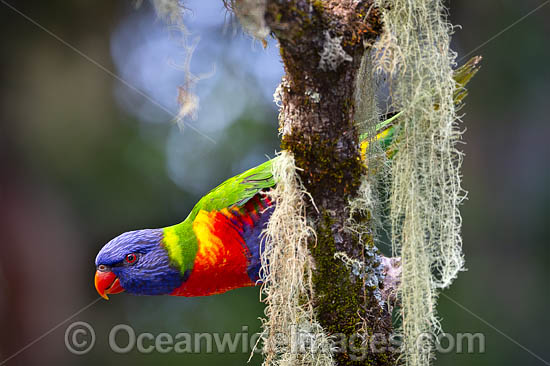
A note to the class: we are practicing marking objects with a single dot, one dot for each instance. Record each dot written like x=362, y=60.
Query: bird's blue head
x=136, y=262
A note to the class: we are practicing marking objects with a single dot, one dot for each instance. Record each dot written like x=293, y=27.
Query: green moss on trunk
x=342, y=300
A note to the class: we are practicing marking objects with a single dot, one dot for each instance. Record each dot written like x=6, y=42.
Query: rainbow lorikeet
x=217, y=247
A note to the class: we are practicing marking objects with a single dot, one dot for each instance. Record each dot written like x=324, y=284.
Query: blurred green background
x=84, y=158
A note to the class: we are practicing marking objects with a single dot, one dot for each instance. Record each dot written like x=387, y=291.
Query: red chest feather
x=222, y=257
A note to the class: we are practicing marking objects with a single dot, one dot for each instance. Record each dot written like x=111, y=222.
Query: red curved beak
x=107, y=283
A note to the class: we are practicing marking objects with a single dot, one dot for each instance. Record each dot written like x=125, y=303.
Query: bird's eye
x=131, y=258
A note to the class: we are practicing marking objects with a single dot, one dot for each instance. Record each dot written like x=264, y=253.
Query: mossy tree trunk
x=321, y=44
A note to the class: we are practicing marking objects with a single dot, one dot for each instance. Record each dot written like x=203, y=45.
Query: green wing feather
x=237, y=190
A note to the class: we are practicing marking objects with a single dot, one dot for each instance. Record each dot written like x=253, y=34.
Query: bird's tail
x=386, y=133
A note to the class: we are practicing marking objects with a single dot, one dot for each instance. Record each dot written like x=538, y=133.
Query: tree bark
x=321, y=44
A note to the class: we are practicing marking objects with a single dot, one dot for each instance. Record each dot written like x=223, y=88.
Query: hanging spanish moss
x=291, y=335
x=425, y=181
